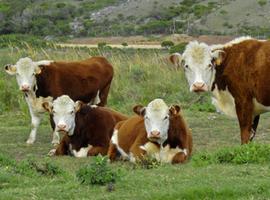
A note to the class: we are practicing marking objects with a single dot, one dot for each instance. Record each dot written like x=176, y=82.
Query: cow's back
x=79, y=80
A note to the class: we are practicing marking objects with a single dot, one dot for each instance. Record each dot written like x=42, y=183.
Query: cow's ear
x=139, y=110
x=10, y=69
x=176, y=59
x=218, y=57
x=38, y=69
x=78, y=106
x=47, y=106
x=175, y=109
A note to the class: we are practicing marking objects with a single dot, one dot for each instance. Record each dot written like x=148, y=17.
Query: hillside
x=80, y=18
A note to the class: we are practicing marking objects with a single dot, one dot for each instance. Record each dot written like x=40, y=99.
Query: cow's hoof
x=30, y=141
x=52, y=152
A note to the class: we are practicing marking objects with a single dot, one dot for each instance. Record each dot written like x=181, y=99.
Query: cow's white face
x=64, y=110
x=26, y=70
x=198, y=62
x=156, y=120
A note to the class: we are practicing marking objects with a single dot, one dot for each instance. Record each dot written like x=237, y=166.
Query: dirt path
x=135, y=46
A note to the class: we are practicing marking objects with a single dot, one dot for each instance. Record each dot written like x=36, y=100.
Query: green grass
x=139, y=77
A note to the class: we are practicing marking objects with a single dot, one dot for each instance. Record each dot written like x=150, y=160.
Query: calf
x=237, y=74
x=156, y=129
x=87, y=129
x=88, y=80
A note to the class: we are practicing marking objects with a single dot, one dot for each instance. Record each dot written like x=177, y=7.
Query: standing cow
x=237, y=74
x=87, y=129
x=156, y=129
x=88, y=80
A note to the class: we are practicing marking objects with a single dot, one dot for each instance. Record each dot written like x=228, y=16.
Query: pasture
x=140, y=76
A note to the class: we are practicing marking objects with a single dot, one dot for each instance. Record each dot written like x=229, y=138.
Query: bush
x=250, y=153
x=102, y=45
x=167, y=44
x=124, y=44
x=97, y=173
x=179, y=48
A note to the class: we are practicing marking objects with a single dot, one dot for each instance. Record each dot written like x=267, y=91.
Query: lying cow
x=88, y=80
x=87, y=129
x=237, y=74
x=156, y=129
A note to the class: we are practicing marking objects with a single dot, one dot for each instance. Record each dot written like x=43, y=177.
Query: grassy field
x=140, y=76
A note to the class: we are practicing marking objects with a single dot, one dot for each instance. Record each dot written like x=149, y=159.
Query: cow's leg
x=136, y=152
x=179, y=158
x=254, y=126
x=95, y=150
x=244, y=110
x=112, y=152
x=62, y=148
x=35, y=122
x=104, y=94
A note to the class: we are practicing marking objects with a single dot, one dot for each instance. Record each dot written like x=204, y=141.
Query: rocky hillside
x=77, y=18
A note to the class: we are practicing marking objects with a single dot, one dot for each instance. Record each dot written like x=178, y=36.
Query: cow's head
x=156, y=119
x=63, y=110
x=199, y=62
x=25, y=70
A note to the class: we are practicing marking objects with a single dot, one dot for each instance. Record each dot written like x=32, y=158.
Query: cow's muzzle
x=199, y=87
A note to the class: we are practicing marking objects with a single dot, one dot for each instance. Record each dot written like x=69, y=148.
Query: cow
x=237, y=74
x=155, y=129
x=87, y=128
x=88, y=80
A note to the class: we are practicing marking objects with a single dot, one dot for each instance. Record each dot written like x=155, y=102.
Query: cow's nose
x=25, y=88
x=155, y=134
x=61, y=126
x=199, y=87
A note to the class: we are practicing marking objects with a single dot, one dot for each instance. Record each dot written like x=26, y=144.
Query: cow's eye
x=186, y=66
x=146, y=118
x=53, y=112
x=210, y=65
x=165, y=118
x=71, y=112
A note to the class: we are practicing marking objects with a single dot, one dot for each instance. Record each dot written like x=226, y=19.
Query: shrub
x=102, y=45
x=167, y=44
x=179, y=48
x=250, y=153
x=262, y=2
x=98, y=173
x=124, y=44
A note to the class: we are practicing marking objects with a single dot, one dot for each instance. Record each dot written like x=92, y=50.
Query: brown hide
x=132, y=135
x=94, y=126
x=80, y=80
x=245, y=70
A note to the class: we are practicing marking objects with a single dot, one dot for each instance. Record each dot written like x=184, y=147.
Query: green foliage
x=262, y=2
x=124, y=44
x=167, y=44
x=179, y=48
x=22, y=41
x=147, y=162
x=250, y=153
x=97, y=173
x=102, y=45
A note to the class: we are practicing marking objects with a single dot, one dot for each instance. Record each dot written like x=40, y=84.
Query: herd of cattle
x=75, y=93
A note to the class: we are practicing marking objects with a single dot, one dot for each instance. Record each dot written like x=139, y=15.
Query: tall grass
x=140, y=76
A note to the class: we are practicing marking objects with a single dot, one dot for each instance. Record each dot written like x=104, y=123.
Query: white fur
x=197, y=58
x=64, y=113
x=114, y=140
x=157, y=119
x=96, y=99
x=259, y=108
x=231, y=43
x=224, y=102
x=82, y=153
x=167, y=153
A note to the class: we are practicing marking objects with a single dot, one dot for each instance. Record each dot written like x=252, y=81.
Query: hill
x=77, y=18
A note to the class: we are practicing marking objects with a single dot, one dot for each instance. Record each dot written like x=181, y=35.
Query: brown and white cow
x=87, y=128
x=88, y=80
x=237, y=74
x=157, y=129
